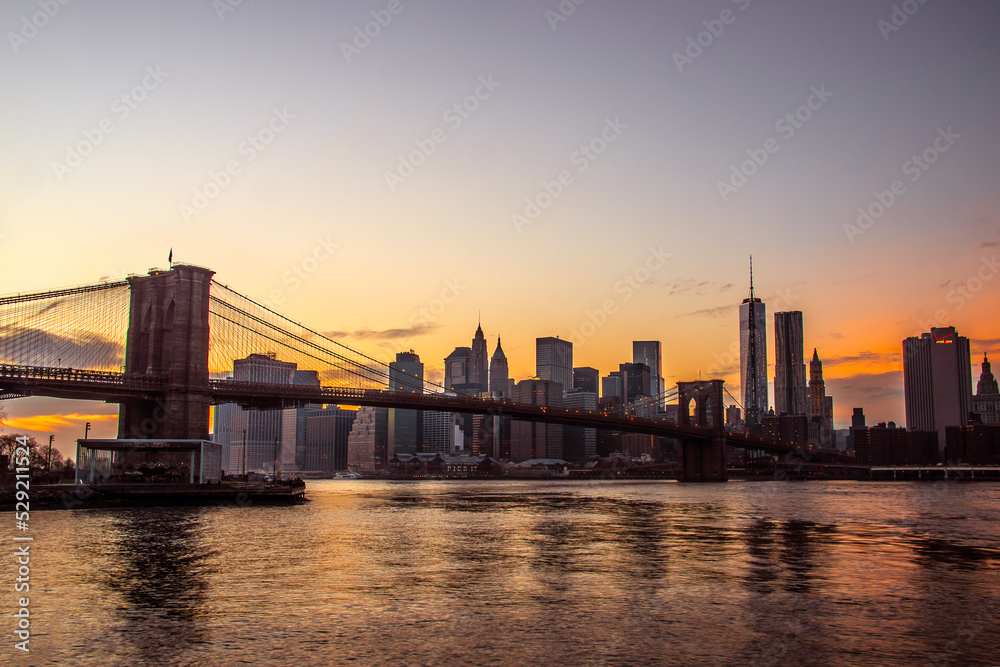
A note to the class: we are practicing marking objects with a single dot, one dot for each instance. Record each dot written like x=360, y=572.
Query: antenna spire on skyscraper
x=751, y=276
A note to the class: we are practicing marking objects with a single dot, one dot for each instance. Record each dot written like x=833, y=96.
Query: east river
x=525, y=573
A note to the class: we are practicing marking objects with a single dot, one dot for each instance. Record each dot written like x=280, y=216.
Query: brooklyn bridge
x=163, y=344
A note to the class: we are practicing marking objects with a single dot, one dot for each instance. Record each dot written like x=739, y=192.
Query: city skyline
x=602, y=181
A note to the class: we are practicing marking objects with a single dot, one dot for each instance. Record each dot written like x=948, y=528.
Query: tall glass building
x=554, y=361
x=789, y=365
x=649, y=352
x=405, y=431
x=753, y=355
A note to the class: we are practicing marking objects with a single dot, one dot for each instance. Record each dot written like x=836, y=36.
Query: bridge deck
x=115, y=387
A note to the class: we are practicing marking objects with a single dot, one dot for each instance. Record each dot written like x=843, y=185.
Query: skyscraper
x=405, y=431
x=937, y=381
x=327, y=431
x=554, y=361
x=986, y=402
x=817, y=387
x=258, y=432
x=649, y=352
x=613, y=386
x=636, y=380
x=479, y=369
x=499, y=373
x=579, y=442
x=458, y=370
x=586, y=378
x=857, y=424
x=820, y=406
x=439, y=431
x=789, y=365
x=366, y=443
x=293, y=426
x=753, y=355
x=537, y=440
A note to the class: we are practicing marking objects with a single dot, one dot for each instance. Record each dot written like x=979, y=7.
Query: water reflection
x=158, y=569
x=602, y=574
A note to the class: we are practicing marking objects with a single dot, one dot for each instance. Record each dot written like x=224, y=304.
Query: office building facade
x=753, y=356
x=368, y=439
x=554, y=361
x=937, y=381
x=405, y=428
x=649, y=352
x=789, y=364
x=587, y=379
x=537, y=440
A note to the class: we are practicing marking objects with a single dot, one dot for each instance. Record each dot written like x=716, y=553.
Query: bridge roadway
x=18, y=381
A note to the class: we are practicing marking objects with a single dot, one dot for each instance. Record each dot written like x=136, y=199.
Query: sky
x=395, y=172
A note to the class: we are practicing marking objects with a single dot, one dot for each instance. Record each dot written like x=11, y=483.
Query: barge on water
x=87, y=496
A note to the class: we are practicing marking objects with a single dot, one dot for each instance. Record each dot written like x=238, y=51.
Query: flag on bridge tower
x=170, y=257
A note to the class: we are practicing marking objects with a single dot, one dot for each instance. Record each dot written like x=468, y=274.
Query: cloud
x=836, y=336
x=990, y=244
x=862, y=357
x=385, y=334
x=54, y=422
x=879, y=394
x=698, y=287
x=718, y=311
x=852, y=278
x=988, y=344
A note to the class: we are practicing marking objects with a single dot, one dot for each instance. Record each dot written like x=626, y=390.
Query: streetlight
x=48, y=463
x=274, y=465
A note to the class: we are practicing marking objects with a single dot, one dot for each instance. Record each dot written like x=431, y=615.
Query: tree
x=38, y=454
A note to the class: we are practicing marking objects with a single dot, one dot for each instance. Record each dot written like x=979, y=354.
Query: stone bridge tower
x=701, y=404
x=168, y=337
